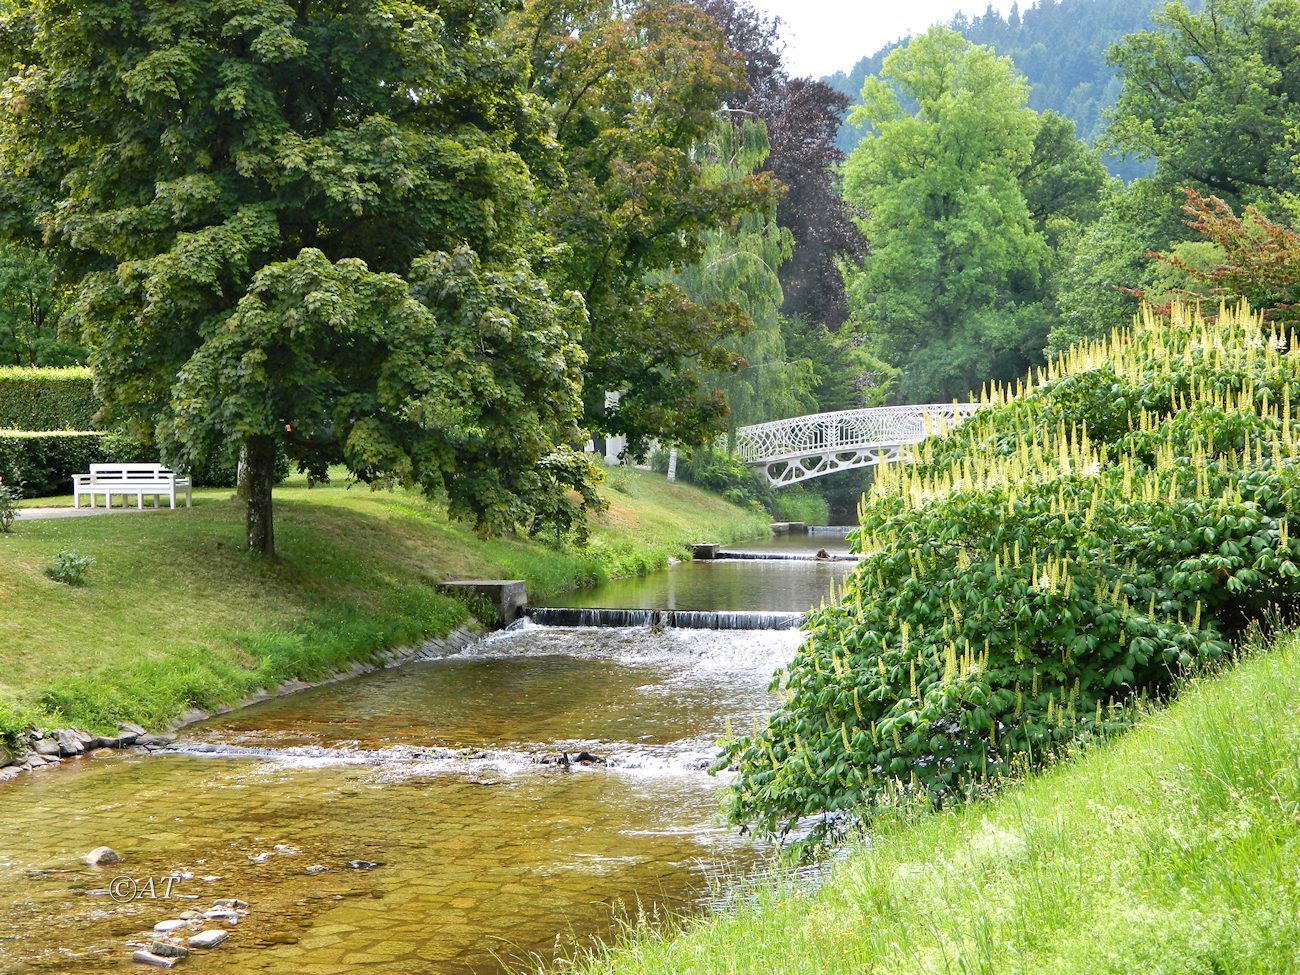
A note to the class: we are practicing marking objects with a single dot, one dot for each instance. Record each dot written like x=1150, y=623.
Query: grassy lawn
x=174, y=615
x=1173, y=849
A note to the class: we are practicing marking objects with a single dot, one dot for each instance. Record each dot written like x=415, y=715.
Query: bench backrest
x=130, y=472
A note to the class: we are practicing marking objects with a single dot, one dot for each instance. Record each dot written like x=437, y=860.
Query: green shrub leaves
x=1076, y=546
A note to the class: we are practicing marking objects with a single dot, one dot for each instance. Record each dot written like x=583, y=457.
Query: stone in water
x=208, y=939
x=101, y=856
x=155, y=961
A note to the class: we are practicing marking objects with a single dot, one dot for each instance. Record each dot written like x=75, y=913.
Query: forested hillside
x=1058, y=45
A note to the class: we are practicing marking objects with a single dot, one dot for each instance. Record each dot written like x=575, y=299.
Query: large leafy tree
x=1212, y=97
x=242, y=194
x=740, y=267
x=632, y=89
x=954, y=247
x=803, y=118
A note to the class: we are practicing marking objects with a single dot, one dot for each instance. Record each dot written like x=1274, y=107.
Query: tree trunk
x=257, y=475
x=241, y=473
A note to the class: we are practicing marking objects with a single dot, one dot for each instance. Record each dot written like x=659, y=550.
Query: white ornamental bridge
x=804, y=447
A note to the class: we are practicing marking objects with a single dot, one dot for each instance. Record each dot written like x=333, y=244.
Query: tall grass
x=1173, y=849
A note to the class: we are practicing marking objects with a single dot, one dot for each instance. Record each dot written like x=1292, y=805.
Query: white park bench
x=127, y=480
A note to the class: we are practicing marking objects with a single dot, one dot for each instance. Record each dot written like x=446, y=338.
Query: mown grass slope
x=1174, y=848
x=175, y=615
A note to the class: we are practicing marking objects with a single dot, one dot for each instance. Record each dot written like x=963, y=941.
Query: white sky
x=825, y=36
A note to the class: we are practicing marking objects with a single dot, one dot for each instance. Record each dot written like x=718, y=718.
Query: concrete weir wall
x=789, y=528
x=509, y=597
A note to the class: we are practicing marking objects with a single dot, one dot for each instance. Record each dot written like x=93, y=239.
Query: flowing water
x=446, y=774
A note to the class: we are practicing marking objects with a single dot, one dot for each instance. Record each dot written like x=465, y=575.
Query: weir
x=785, y=557
x=666, y=618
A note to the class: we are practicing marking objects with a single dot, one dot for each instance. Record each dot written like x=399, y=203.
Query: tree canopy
x=631, y=90
x=1211, y=96
x=967, y=192
x=239, y=196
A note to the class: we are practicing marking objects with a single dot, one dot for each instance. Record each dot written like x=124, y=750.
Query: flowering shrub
x=1074, y=547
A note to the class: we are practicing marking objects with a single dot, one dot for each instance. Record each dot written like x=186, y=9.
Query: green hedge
x=43, y=463
x=46, y=399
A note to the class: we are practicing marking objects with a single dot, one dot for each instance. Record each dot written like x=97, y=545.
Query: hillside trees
x=303, y=227
x=1208, y=96
x=970, y=199
x=1211, y=97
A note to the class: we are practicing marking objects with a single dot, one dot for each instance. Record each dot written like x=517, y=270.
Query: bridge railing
x=849, y=429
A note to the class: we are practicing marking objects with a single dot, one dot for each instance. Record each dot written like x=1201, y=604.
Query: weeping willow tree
x=739, y=269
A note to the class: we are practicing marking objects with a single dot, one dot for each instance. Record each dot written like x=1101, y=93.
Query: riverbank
x=174, y=616
x=1170, y=849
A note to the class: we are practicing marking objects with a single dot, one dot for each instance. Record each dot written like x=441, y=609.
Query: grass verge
x=174, y=615
x=1175, y=848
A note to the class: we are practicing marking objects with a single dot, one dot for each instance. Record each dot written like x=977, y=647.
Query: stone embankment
x=41, y=748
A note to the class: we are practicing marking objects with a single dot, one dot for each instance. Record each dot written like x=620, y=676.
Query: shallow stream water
x=443, y=773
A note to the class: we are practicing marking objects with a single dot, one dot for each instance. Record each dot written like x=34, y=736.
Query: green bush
x=43, y=463
x=46, y=399
x=801, y=504
x=69, y=568
x=8, y=506
x=1064, y=554
x=726, y=475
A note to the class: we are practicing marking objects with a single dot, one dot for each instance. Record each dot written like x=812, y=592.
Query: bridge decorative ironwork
x=804, y=447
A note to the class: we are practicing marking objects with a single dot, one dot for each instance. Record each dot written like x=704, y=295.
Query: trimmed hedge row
x=46, y=399
x=43, y=463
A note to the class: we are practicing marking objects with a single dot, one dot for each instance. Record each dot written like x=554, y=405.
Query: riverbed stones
x=45, y=746
x=102, y=856
x=143, y=957
x=71, y=741
x=166, y=927
x=207, y=939
x=165, y=949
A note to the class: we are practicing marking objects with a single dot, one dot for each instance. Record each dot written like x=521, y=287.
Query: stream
x=453, y=839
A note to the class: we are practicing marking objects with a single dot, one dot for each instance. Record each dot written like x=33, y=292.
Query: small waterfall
x=831, y=529
x=786, y=557
x=673, y=618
